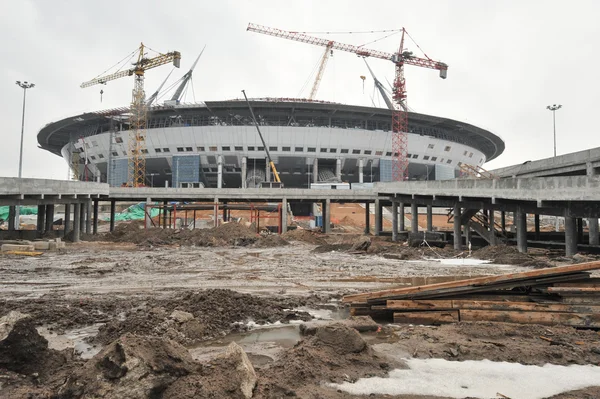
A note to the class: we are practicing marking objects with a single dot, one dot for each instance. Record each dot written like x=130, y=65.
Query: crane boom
x=324, y=60
x=380, y=87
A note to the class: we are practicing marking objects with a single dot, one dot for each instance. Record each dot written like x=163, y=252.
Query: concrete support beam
x=570, y=236
x=537, y=226
x=164, y=215
x=503, y=221
x=147, y=217
x=394, y=221
x=327, y=216
x=378, y=214
x=88, y=217
x=95, y=224
x=367, y=218
x=112, y=215
x=82, y=217
x=49, y=217
x=284, y=215
x=360, y=171
x=594, y=237
x=41, y=218
x=76, y=222
x=429, y=218
x=12, y=218
x=315, y=172
x=67, y=220
x=244, y=171
x=457, y=227
x=492, y=227
x=467, y=234
x=521, y=221
x=219, y=171
x=414, y=218
x=338, y=169
x=401, y=216
x=267, y=170
x=579, y=231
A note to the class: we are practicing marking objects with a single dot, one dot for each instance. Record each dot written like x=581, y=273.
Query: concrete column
x=594, y=237
x=492, y=229
x=12, y=217
x=284, y=215
x=67, y=220
x=244, y=171
x=315, y=170
x=41, y=218
x=148, y=213
x=219, y=171
x=267, y=170
x=429, y=218
x=401, y=216
x=95, y=224
x=503, y=221
x=88, y=217
x=367, y=218
x=414, y=218
x=589, y=169
x=338, y=169
x=360, y=170
x=377, y=217
x=570, y=235
x=537, y=226
x=579, y=231
x=164, y=215
x=457, y=232
x=82, y=217
x=76, y=222
x=521, y=222
x=394, y=221
x=112, y=215
x=49, y=217
x=467, y=233
x=327, y=216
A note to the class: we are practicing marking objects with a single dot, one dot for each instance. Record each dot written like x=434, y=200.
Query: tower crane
x=137, y=133
x=399, y=58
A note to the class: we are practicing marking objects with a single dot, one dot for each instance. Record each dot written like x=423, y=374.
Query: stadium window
x=189, y=149
x=166, y=149
x=287, y=149
x=388, y=154
x=212, y=148
x=225, y=148
x=124, y=153
x=260, y=148
x=273, y=148
x=144, y=150
x=344, y=151
x=323, y=149
x=115, y=154
x=471, y=155
x=180, y=149
x=239, y=148
x=448, y=148
x=378, y=152
x=465, y=153
x=408, y=155
x=93, y=158
x=368, y=152
x=102, y=156
x=118, y=139
x=356, y=152
x=200, y=149
x=206, y=170
x=442, y=160
x=299, y=149
x=426, y=157
x=430, y=146
x=415, y=156
x=449, y=161
x=434, y=159
x=397, y=155
x=155, y=150
x=250, y=148
x=333, y=150
x=311, y=149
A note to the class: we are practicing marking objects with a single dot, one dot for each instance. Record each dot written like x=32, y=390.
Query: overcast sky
x=507, y=61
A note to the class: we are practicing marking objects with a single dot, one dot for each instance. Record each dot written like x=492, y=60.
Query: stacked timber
x=565, y=295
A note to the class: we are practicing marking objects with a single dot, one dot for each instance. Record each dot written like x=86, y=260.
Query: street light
x=152, y=178
x=24, y=86
x=554, y=108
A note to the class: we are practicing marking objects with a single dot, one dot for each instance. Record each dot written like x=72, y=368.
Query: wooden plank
x=574, y=290
x=427, y=318
x=409, y=305
x=581, y=299
x=591, y=320
x=591, y=282
x=479, y=281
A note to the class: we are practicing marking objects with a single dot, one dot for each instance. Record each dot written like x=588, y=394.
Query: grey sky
x=507, y=61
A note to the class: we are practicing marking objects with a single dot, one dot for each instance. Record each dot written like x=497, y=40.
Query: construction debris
x=565, y=295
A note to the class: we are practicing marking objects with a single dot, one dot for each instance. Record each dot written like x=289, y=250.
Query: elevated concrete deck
x=15, y=191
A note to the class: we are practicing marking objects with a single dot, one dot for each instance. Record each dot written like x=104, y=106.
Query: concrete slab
x=15, y=247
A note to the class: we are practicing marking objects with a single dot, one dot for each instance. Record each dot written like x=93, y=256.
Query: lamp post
x=554, y=108
x=152, y=178
x=24, y=85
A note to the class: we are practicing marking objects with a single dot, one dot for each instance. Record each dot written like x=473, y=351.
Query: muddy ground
x=165, y=305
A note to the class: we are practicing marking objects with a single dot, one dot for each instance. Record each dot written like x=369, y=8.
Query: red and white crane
x=399, y=58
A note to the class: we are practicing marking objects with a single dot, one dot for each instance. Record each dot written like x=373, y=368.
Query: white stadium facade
x=215, y=144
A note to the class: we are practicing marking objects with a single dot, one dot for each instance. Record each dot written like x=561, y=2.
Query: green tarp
x=134, y=212
x=25, y=210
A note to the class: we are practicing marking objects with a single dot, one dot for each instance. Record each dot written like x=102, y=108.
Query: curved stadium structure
x=215, y=144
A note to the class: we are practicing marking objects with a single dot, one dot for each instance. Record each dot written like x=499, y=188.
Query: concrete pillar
x=429, y=218
x=378, y=214
x=503, y=221
x=579, y=231
x=49, y=217
x=88, y=217
x=360, y=170
x=394, y=221
x=244, y=171
x=338, y=169
x=164, y=215
x=401, y=216
x=267, y=170
x=284, y=215
x=457, y=232
x=492, y=227
x=95, y=223
x=367, y=218
x=148, y=213
x=327, y=216
x=315, y=170
x=570, y=235
x=467, y=233
x=537, y=226
x=589, y=169
x=594, y=237
x=76, y=222
x=112, y=215
x=12, y=217
x=219, y=171
x=67, y=220
x=82, y=217
x=41, y=218
x=414, y=218
x=521, y=222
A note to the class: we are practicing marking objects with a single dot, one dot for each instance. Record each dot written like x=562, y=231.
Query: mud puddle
x=76, y=339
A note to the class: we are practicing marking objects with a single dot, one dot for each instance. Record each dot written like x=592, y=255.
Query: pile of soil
x=506, y=255
x=271, y=241
x=307, y=236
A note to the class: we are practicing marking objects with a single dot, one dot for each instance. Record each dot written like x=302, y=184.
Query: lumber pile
x=565, y=295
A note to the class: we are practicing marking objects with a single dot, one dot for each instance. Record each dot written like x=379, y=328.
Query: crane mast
x=399, y=58
x=137, y=130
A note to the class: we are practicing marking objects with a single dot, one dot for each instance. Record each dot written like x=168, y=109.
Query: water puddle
x=75, y=338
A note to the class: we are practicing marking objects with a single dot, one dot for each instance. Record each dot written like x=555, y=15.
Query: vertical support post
x=492, y=227
x=67, y=220
x=95, y=225
x=49, y=217
x=467, y=233
x=148, y=213
x=284, y=215
x=594, y=236
x=216, y=213
x=194, y=219
x=579, y=231
x=457, y=229
x=88, y=217
x=394, y=220
x=429, y=218
x=113, y=204
x=267, y=170
x=219, y=171
x=378, y=215
x=76, y=221
x=401, y=216
x=327, y=216
x=41, y=219
x=315, y=170
x=414, y=218
x=338, y=169
x=570, y=235
x=537, y=226
x=165, y=226
x=244, y=171
x=503, y=221
x=360, y=170
x=521, y=221
x=224, y=211
x=367, y=217
x=12, y=217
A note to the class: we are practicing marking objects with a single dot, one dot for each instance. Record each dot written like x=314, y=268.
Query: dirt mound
x=271, y=241
x=307, y=236
x=332, y=247
x=502, y=254
x=335, y=353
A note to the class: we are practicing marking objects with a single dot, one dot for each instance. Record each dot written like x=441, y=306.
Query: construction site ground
x=153, y=314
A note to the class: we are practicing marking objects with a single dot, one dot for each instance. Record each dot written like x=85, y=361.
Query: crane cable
x=123, y=61
x=351, y=32
x=381, y=38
